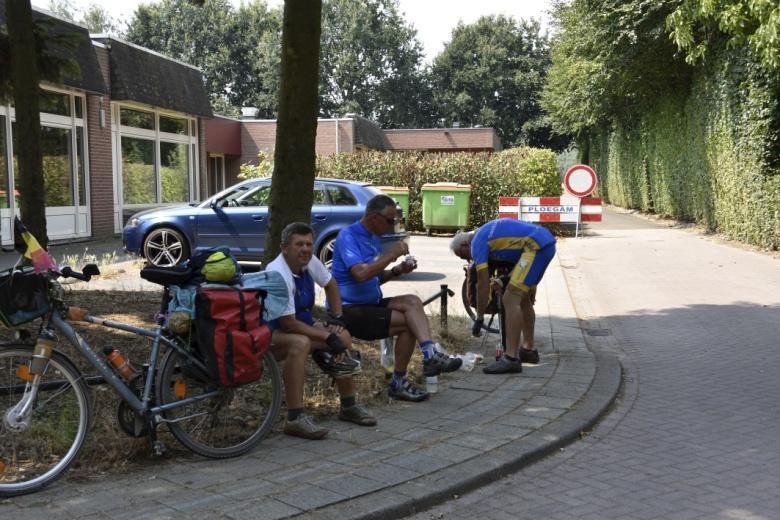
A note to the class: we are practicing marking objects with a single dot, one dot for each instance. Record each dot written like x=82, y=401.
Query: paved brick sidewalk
x=477, y=428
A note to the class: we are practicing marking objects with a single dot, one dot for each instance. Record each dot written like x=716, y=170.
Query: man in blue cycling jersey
x=296, y=335
x=530, y=248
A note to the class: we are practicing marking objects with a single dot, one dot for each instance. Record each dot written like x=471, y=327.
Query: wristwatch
x=394, y=272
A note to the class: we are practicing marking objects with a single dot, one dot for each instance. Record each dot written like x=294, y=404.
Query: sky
x=433, y=19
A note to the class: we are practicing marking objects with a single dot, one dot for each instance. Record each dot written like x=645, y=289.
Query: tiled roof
x=140, y=75
x=368, y=134
x=88, y=77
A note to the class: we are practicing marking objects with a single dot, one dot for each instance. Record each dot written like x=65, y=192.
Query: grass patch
x=108, y=448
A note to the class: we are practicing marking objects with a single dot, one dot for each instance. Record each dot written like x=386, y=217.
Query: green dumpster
x=399, y=195
x=445, y=205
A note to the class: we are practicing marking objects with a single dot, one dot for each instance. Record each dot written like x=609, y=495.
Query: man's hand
x=335, y=344
x=408, y=265
x=336, y=322
x=398, y=249
x=477, y=326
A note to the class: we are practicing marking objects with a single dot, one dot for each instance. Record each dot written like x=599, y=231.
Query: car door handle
x=320, y=217
x=258, y=217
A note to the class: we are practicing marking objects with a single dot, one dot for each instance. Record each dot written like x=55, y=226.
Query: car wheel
x=165, y=247
x=326, y=252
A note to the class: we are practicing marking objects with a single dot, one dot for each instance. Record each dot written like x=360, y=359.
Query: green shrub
x=517, y=171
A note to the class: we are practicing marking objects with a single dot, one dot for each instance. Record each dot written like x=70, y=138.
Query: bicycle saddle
x=167, y=275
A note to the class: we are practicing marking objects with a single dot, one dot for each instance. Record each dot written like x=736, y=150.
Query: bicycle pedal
x=159, y=448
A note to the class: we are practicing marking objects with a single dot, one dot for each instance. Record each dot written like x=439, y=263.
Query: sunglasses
x=390, y=221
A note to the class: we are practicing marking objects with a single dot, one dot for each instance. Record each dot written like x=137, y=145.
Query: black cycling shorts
x=368, y=321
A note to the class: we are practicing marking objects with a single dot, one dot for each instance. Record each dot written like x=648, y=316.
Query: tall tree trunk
x=24, y=71
x=292, y=184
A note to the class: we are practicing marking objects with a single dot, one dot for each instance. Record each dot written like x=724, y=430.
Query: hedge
x=710, y=155
x=517, y=171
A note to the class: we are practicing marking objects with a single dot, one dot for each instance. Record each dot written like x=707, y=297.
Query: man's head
x=461, y=244
x=297, y=244
x=380, y=215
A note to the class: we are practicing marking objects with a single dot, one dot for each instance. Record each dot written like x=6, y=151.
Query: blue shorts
x=531, y=267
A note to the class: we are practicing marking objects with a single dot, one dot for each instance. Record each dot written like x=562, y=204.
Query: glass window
x=173, y=125
x=54, y=103
x=56, y=152
x=136, y=118
x=81, y=181
x=341, y=196
x=5, y=200
x=319, y=196
x=57, y=178
x=79, y=107
x=138, y=180
x=174, y=172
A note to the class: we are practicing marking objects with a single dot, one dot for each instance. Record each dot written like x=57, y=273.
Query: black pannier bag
x=230, y=333
x=23, y=296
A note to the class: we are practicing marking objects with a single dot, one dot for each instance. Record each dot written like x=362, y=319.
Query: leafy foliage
x=94, y=17
x=519, y=171
x=491, y=74
x=755, y=23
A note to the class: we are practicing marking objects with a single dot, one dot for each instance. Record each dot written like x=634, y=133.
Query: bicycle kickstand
x=158, y=446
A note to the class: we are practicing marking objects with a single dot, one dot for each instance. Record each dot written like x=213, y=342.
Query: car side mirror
x=214, y=204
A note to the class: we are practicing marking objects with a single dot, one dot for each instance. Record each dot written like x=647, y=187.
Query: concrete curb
x=434, y=488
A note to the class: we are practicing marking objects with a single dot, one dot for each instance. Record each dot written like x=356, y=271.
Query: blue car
x=238, y=218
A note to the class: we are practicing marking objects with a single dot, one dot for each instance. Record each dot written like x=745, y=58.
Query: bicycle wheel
x=464, y=295
x=227, y=425
x=40, y=447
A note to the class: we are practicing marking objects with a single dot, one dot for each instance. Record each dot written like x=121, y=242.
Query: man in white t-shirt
x=296, y=334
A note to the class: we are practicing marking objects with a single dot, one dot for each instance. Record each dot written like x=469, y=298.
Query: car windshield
x=245, y=195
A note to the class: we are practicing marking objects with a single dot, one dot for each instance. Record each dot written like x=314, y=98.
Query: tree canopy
x=491, y=74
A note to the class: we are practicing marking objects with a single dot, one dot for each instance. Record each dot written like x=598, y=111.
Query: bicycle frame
x=140, y=405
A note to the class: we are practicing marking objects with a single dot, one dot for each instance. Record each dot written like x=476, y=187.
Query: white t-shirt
x=319, y=273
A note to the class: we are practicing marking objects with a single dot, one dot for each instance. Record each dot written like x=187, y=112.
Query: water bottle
x=469, y=360
x=432, y=384
x=120, y=363
x=499, y=351
x=387, y=354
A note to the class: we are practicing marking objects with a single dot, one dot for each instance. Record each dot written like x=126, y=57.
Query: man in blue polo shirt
x=530, y=248
x=360, y=267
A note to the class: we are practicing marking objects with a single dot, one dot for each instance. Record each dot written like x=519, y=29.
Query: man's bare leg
x=515, y=320
x=414, y=315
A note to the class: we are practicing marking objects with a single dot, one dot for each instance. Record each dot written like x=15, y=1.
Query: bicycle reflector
x=23, y=372
x=179, y=389
x=2, y=466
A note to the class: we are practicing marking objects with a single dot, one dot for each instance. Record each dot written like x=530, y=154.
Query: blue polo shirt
x=505, y=240
x=356, y=245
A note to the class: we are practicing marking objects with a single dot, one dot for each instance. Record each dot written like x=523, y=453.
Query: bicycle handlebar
x=86, y=275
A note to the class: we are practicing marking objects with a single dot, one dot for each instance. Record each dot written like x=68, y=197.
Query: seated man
x=359, y=268
x=531, y=248
x=296, y=335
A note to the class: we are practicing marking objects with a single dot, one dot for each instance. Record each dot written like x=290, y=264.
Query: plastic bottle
x=120, y=363
x=499, y=351
x=387, y=354
x=432, y=384
x=469, y=360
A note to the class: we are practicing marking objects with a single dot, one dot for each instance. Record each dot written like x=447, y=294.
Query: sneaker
x=503, y=365
x=529, y=356
x=407, y=392
x=440, y=362
x=357, y=414
x=304, y=426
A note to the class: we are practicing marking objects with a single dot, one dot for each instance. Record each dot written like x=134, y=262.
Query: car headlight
x=133, y=222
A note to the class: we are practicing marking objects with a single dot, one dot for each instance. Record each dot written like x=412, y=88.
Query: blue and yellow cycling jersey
x=505, y=239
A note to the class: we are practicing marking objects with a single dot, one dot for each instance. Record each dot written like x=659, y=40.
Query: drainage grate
x=598, y=332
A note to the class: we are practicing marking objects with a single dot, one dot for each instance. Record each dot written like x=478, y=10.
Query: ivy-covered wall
x=710, y=154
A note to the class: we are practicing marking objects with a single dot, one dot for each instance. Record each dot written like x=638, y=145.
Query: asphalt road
x=696, y=324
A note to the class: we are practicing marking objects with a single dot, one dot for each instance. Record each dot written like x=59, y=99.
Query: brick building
x=233, y=142
x=126, y=134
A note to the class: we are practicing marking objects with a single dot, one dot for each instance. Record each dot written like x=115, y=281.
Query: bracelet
x=394, y=272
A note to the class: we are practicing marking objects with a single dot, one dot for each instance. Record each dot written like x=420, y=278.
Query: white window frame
x=118, y=131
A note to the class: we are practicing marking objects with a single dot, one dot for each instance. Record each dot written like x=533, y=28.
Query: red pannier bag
x=231, y=334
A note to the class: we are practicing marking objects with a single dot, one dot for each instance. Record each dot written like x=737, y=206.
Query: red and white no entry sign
x=580, y=180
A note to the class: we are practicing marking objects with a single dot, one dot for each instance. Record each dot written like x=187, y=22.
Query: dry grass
x=108, y=448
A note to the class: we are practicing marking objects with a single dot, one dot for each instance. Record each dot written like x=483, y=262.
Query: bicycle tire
x=39, y=453
x=227, y=425
x=464, y=295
